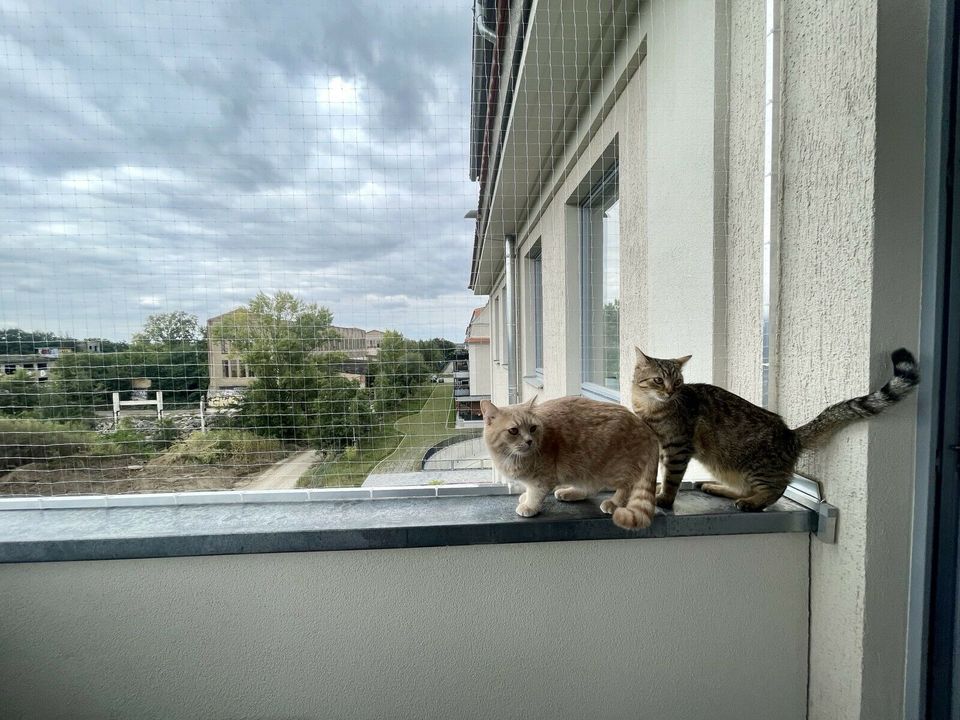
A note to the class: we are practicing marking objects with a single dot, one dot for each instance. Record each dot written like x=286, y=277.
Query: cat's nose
x=529, y=442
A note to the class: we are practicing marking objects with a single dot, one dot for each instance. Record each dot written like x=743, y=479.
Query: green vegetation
x=300, y=395
x=15, y=341
x=24, y=440
x=231, y=448
x=421, y=431
x=398, y=448
x=123, y=442
x=173, y=329
x=171, y=352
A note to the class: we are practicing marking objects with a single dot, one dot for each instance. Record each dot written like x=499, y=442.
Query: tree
x=169, y=330
x=280, y=339
x=14, y=341
x=19, y=393
x=611, y=339
x=399, y=369
x=437, y=352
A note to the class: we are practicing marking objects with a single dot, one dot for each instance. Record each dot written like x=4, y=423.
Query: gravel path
x=285, y=473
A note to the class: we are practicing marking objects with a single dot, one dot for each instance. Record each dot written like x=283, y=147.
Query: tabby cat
x=749, y=451
x=576, y=447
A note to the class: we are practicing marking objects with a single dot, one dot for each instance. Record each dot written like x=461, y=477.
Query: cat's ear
x=683, y=360
x=488, y=410
x=532, y=402
x=642, y=358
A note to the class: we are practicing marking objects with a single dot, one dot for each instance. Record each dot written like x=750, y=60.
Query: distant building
x=37, y=365
x=357, y=343
x=227, y=370
x=471, y=368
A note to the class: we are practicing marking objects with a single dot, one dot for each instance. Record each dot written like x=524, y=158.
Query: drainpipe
x=482, y=29
x=510, y=316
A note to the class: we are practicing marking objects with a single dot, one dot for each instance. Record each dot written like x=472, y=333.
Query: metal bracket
x=808, y=493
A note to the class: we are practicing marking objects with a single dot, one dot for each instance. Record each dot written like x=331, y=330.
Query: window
x=226, y=368
x=535, y=260
x=496, y=329
x=600, y=289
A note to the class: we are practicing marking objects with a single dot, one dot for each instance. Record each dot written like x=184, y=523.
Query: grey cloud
x=187, y=158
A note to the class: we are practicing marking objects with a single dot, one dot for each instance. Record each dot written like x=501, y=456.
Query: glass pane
x=536, y=272
x=601, y=292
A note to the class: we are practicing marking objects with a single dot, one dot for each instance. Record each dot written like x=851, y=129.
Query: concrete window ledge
x=106, y=533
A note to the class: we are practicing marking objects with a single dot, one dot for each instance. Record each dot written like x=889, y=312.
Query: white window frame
x=495, y=322
x=535, y=308
x=607, y=188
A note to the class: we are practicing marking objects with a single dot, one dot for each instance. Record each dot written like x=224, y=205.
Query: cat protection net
x=250, y=246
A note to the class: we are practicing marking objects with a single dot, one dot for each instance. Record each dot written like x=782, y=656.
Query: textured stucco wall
x=685, y=164
x=559, y=233
x=744, y=253
x=610, y=629
x=849, y=295
x=672, y=154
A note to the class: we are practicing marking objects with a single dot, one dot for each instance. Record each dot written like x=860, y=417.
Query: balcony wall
x=710, y=627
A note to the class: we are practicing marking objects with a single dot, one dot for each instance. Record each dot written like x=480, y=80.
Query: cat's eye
x=658, y=381
x=533, y=428
x=514, y=431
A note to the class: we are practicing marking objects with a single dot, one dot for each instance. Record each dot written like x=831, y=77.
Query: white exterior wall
x=691, y=160
x=478, y=358
x=558, y=231
x=744, y=235
x=498, y=343
x=852, y=161
x=686, y=150
x=609, y=629
x=670, y=196
x=478, y=353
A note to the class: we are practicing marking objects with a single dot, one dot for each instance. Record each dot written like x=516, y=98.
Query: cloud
x=187, y=156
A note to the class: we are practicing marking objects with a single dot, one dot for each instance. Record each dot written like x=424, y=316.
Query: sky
x=180, y=155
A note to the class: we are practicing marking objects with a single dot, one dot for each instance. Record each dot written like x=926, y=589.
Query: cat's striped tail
x=905, y=378
x=640, y=509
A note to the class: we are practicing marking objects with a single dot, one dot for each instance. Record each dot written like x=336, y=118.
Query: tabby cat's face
x=511, y=432
x=656, y=380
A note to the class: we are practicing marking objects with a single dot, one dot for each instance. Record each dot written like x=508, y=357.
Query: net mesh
x=234, y=245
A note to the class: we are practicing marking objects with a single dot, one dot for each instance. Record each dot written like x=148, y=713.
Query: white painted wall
x=744, y=233
x=852, y=159
x=478, y=352
x=692, y=628
x=686, y=160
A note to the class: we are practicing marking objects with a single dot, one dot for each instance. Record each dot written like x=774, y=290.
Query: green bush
x=222, y=447
x=122, y=442
x=25, y=440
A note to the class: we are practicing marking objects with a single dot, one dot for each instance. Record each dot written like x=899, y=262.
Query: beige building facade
x=630, y=187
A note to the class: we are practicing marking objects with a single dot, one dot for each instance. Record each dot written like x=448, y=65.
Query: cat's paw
x=749, y=506
x=664, y=502
x=569, y=494
x=522, y=499
x=630, y=519
x=524, y=510
x=608, y=506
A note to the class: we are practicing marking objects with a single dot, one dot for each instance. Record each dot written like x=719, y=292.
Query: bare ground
x=115, y=475
x=284, y=474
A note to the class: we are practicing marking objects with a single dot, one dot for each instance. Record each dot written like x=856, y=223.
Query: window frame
x=610, y=180
x=535, y=307
x=495, y=323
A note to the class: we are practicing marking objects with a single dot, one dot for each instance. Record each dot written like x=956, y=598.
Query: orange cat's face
x=511, y=432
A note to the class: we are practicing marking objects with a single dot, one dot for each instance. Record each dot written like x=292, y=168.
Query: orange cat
x=575, y=447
